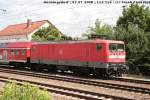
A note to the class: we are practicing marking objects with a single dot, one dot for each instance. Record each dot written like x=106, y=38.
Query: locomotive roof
x=81, y=41
x=28, y=44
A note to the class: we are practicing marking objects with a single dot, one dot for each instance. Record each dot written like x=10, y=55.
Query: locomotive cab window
x=112, y=47
x=98, y=47
x=116, y=47
x=120, y=47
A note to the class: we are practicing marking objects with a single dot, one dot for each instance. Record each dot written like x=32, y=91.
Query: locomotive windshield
x=116, y=47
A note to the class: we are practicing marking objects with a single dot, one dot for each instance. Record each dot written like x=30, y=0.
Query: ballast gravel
x=115, y=92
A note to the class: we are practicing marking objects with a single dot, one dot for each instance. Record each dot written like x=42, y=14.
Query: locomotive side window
x=98, y=47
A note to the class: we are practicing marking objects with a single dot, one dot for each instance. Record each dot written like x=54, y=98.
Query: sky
x=70, y=19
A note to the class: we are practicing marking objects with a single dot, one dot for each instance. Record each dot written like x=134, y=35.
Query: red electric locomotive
x=100, y=57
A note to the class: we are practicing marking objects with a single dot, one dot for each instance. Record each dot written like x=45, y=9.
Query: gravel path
x=137, y=96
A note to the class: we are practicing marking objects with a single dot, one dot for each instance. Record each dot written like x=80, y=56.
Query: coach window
x=23, y=52
x=98, y=47
x=16, y=52
x=12, y=52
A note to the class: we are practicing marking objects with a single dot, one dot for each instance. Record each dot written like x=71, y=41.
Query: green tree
x=12, y=91
x=137, y=15
x=99, y=29
x=65, y=37
x=46, y=34
x=133, y=27
x=136, y=43
x=144, y=63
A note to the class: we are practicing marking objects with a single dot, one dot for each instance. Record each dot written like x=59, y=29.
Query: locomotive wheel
x=110, y=73
x=125, y=73
x=118, y=74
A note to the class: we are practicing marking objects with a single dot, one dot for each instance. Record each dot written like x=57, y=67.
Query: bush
x=12, y=91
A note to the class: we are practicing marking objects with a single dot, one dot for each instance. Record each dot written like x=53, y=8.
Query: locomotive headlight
x=112, y=56
x=117, y=56
x=121, y=56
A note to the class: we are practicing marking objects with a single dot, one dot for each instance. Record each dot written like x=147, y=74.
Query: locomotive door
x=88, y=51
x=5, y=55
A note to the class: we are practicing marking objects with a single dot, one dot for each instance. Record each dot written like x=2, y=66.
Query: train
x=95, y=57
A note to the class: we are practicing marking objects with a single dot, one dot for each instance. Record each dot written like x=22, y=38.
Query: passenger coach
x=15, y=53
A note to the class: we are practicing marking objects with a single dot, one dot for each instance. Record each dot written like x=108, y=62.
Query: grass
x=12, y=91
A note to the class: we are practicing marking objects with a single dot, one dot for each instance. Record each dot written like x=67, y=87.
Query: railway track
x=80, y=81
x=140, y=81
x=132, y=80
x=124, y=79
x=67, y=91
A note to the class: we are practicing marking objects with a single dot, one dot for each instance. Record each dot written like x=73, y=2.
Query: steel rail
x=80, y=81
x=82, y=94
